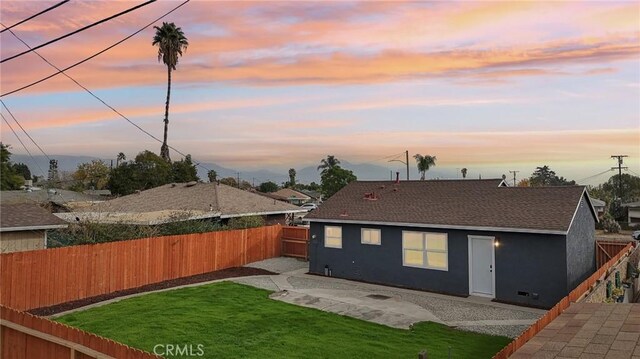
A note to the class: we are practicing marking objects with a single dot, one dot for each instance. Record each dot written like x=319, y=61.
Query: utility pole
x=238, y=179
x=620, y=159
x=405, y=162
x=514, y=177
x=406, y=153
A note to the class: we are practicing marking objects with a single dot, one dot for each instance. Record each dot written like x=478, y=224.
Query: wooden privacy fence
x=295, y=242
x=605, y=250
x=24, y=336
x=46, y=277
x=562, y=305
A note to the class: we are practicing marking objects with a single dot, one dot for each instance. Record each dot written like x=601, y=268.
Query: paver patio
x=588, y=330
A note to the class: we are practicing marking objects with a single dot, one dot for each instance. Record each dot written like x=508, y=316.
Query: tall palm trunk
x=164, y=149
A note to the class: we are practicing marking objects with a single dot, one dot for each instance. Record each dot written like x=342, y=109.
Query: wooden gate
x=605, y=250
x=295, y=242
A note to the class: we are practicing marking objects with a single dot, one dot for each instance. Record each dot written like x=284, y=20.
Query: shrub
x=245, y=222
x=610, y=225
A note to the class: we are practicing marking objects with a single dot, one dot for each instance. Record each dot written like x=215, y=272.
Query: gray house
x=527, y=246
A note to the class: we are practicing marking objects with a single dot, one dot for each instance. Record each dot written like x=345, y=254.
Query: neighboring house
x=599, y=205
x=633, y=214
x=60, y=200
x=521, y=245
x=98, y=192
x=292, y=196
x=185, y=201
x=23, y=227
x=315, y=195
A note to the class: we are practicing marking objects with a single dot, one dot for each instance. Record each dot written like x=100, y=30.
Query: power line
x=23, y=145
x=197, y=163
x=36, y=15
x=593, y=176
x=92, y=56
x=79, y=30
x=25, y=131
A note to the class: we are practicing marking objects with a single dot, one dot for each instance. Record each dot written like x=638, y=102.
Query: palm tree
x=330, y=162
x=171, y=43
x=424, y=163
x=292, y=177
x=464, y=172
x=121, y=158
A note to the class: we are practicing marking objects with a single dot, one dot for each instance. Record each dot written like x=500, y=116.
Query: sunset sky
x=491, y=86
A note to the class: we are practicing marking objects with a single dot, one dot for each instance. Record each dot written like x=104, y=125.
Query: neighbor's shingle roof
x=27, y=216
x=197, y=199
x=289, y=193
x=455, y=203
x=58, y=196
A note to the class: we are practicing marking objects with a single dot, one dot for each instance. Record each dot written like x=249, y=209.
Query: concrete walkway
x=395, y=307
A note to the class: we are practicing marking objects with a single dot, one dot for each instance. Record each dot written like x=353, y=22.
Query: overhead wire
x=92, y=56
x=23, y=145
x=35, y=15
x=78, y=30
x=25, y=131
x=593, y=176
x=197, y=163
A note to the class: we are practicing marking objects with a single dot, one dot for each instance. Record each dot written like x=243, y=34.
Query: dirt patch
x=199, y=278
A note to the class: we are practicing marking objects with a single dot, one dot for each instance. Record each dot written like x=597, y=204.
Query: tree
x=184, y=170
x=149, y=170
x=171, y=43
x=213, y=175
x=523, y=183
x=92, y=175
x=464, y=172
x=120, y=158
x=229, y=181
x=327, y=163
x=313, y=186
x=267, y=187
x=292, y=178
x=334, y=179
x=609, y=190
x=544, y=176
x=10, y=179
x=424, y=163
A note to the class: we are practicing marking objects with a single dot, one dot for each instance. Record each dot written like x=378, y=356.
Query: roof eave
x=441, y=226
x=224, y=216
x=32, y=228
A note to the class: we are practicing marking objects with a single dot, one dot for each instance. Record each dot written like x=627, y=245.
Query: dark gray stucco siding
x=581, y=246
x=383, y=263
x=531, y=263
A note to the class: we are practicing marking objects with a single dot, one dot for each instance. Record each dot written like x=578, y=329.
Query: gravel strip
x=446, y=310
x=280, y=264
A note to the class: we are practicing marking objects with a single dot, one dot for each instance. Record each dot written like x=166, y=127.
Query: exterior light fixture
x=496, y=244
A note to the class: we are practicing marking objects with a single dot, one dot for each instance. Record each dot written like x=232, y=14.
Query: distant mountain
x=364, y=171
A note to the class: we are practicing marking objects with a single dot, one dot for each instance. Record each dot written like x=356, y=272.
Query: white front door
x=481, y=266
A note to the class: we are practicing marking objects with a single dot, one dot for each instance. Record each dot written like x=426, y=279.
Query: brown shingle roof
x=289, y=193
x=27, y=217
x=454, y=203
x=176, y=200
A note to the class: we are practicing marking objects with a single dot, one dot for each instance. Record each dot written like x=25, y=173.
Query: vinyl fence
x=46, y=277
x=561, y=306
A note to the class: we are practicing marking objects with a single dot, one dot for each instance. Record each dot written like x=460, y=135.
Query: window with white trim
x=370, y=236
x=333, y=236
x=425, y=250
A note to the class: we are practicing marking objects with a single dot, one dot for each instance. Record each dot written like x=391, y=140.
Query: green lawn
x=236, y=321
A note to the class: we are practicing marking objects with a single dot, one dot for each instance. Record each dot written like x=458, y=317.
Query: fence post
x=422, y=354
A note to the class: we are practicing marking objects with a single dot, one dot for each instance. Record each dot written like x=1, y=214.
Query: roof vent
x=371, y=196
x=138, y=191
x=191, y=184
x=382, y=187
x=173, y=185
x=397, y=177
x=344, y=214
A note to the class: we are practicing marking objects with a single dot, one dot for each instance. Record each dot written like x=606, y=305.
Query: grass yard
x=236, y=321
